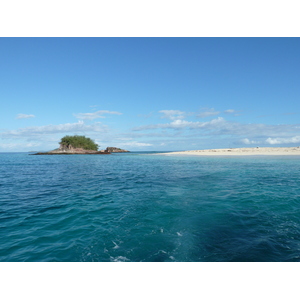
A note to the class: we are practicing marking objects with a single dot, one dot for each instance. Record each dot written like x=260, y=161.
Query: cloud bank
x=78, y=127
x=221, y=130
x=169, y=130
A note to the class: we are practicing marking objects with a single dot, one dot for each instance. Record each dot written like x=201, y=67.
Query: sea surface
x=140, y=207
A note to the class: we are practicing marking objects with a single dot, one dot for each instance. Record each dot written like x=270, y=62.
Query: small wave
x=116, y=245
x=119, y=259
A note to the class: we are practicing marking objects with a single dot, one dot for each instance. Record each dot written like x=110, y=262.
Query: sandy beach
x=242, y=151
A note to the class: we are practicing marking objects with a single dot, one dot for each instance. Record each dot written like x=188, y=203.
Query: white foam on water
x=119, y=259
x=116, y=245
x=161, y=251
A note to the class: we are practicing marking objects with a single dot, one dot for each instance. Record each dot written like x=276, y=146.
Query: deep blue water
x=137, y=207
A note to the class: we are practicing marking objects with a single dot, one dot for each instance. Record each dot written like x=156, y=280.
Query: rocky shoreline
x=76, y=151
x=69, y=153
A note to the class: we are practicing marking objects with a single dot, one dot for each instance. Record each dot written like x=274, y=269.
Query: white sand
x=242, y=151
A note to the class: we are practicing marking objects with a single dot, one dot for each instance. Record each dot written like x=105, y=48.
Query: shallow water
x=137, y=207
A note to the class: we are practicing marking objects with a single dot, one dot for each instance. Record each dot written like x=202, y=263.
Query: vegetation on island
x=78, y=141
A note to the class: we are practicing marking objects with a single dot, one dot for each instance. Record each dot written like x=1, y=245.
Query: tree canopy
x=79, y=141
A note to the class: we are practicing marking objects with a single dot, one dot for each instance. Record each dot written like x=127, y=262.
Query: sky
x=150, y=94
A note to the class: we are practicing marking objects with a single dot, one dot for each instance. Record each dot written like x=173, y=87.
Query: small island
x=115, y=150
x=78, y=144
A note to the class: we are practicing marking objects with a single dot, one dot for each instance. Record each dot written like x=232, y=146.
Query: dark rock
x=71, y=150
x=68, y=153
x=115, y=149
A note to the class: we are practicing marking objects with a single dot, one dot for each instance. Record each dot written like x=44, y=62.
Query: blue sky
x=150, y=93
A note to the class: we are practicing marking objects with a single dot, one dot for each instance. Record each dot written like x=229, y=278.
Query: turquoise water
x=136, y=207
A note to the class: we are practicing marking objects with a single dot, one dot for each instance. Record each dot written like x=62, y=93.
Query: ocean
x=140, y=207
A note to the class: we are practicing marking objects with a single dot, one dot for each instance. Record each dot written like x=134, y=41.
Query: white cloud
x=232, y=112
x=229, y=111
x=277, y=141
x=248, y=142
x=95, y=115
x=209, y=113
x=181, y=124
x=172, y=114
x=24, y=116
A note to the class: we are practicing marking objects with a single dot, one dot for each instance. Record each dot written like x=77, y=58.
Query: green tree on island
x=78, y=141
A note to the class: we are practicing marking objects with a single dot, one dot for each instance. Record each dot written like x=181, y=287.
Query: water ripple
x=126, y=208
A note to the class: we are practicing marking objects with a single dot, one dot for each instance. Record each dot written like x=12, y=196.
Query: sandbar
x=241, y=151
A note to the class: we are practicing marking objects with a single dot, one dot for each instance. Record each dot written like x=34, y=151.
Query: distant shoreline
x=240, y=151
